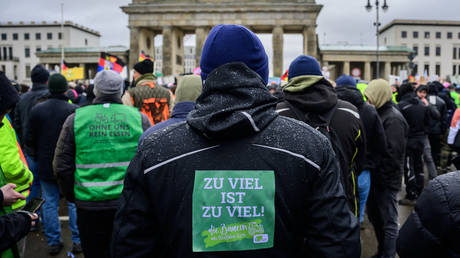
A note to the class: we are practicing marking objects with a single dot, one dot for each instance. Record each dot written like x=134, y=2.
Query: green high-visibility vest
x=106, y=137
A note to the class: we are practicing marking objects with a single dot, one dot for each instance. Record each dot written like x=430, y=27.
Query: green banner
x=233, y=210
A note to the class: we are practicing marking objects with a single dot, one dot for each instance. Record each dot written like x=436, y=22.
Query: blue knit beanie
x=304, y=65
x=347, y=80
x=233, y=43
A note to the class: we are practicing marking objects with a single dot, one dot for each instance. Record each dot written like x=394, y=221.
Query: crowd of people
x=225, y=166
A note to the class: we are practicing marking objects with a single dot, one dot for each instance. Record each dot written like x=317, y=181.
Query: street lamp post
x=377, y=25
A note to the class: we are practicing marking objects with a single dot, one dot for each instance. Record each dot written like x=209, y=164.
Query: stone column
x=173, y=51
x=277, y=37
x=346, y=68
x=200, y=38
x=367, y=71
x=167, y=61
x=387, y=71
x=133, y=46
x=309, y=41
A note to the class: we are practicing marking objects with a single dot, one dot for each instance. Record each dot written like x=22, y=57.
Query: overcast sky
x=339, y=21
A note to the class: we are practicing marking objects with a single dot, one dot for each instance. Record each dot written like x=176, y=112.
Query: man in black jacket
x=373, y=130
x=382, y=206
x=39, y=93
x=437, y=127
x=310, y=98
x=418, y=116
x=41, y=135
x=235, y=179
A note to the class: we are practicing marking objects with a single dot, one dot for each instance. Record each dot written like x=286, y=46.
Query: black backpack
x=349, y=180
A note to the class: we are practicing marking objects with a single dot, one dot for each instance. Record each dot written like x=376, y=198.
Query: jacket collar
x=39, y=86
x=107, y=99
x=182, y=109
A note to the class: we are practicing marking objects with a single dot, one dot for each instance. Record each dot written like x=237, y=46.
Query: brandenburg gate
x=175, y=18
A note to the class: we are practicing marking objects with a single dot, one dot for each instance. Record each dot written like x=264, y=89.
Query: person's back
x=413, y=110
x=433, y=228
x=38, y=93
x=152, y=100
x=310, y=98
x=235, y=180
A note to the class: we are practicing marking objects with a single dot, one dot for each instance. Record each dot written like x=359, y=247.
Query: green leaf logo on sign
x=233, y=210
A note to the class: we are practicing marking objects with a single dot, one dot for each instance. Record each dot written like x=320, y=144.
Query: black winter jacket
x=13, y=227
x=391, y=166
x=438, y=126
x=433, y=228
x=37, y=94
x=44, y=126
x=235, y=127
x=373, y=128
x=319, y=104
x=64, y=160
x=417, y=115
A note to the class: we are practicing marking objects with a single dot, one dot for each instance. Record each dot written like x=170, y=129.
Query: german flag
x=285, y=76
x=64, y=66
x=143, y=56
x=110, y=62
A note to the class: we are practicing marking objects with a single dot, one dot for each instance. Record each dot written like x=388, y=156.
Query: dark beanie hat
x=345, y=80
x=304, y=65
x=405, y=88
x=57, y=83
x=8, y=95
x=146, y=66
x=39, y=74
x=233, y=43
x=422, y=87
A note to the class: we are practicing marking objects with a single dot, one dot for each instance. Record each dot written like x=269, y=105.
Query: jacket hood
x=351, y=94
x=433, y=89
x=378, y=92
x=234, y=103
x=317, y=101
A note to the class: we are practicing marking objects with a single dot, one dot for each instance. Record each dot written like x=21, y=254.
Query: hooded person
x=347, y=90
x=187, y=92
x=234, y=134
x=15, y=177
x=152, y=100
x=382, y=205
x=310, y=98
x=93, y=151
x=45, y=124
x=417, y=114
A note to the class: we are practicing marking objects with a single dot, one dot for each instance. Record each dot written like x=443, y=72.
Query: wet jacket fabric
x=432, y=229
x=373, y=128
x=179, y=114
x=235, y=127
x=13, y=162
x=390, y=168
x=13, y=227
x=64, y=160
x=417, y=115
x=45, y=124
x=319, y=103
x=37, y=94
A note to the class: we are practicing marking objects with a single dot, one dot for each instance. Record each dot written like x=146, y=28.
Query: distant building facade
x=19, y=43
x=436, y=43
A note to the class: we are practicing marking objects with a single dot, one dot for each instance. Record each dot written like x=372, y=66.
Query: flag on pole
x=110, y=62
x=285, y=76
x=144, y=56
x=75, y=73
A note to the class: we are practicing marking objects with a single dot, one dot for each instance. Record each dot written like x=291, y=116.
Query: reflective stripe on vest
x=106, y=137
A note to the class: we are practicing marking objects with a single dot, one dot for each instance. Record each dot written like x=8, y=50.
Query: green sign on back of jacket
x=106, y=137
